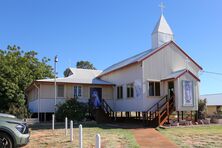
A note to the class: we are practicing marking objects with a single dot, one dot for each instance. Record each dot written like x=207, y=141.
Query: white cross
x=161, y=7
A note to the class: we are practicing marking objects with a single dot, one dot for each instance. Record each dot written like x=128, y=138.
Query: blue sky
x=107, y=31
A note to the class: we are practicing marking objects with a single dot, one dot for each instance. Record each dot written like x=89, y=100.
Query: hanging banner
x=188, y=99
x=138, y=87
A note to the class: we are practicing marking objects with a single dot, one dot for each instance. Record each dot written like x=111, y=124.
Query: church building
x=153, y=83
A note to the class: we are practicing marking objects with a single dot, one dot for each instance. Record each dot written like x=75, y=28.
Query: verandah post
x=158, y=112
x=53, y=122
x=182, y=114
x=168, y=112
x=196, y=116
x=191, y=116
x=178, y=116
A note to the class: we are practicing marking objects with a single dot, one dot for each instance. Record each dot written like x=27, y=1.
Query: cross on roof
x=161, y=7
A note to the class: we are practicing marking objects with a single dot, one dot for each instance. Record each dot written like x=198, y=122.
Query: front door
x=96, y=90
x=170, y=88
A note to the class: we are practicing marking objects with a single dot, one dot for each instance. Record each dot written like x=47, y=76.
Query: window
x=119, y=92
x=77, y=91
x=60, y=90
x=130, y=90
x=154, y=88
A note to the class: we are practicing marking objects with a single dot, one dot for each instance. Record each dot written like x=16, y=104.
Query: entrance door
x=96, y=90
x=170, y=88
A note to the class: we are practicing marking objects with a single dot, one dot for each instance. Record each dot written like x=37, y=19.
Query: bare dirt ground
x=110, y=138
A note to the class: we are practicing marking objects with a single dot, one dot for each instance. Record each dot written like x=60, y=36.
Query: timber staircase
x=155, y=116
x=159, y=113
x=102, y=114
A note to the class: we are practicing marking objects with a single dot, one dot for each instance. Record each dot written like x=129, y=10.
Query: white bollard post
x=66, y=122
x=53, y=122
x=98, y=141
x=71, y=131
x=80, y=136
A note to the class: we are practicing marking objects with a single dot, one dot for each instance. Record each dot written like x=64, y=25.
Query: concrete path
x=150, y=138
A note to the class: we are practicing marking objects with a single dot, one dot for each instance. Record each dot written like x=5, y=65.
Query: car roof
x=7, y=115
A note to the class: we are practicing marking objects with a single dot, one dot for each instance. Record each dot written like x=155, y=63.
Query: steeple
x=162, y=32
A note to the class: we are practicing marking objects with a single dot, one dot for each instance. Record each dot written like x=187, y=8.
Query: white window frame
x=77, y=90
x=148, y=88
x=130, y=96
x=118, y=91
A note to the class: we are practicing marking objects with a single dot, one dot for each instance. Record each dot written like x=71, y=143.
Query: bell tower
x=162, y=32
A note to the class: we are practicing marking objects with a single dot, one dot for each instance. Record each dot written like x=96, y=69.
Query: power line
x=215, y=73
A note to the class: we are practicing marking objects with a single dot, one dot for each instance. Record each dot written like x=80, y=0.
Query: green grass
x=201, y=136
x=43, y=137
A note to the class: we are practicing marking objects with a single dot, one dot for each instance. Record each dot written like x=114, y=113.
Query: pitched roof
x=162, y=26
x=213, y=99
x=179, y=73
x=174, y=74
x=80, y=76
x=142, y=56
x=128, y=61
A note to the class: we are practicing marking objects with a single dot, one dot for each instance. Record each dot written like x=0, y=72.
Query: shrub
x=72, y=109
x=202, y=109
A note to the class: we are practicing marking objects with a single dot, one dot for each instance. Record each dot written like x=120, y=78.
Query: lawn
x=43, y=137
x=198, y=136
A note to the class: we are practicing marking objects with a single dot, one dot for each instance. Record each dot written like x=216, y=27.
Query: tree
x=202, y=108
x=66, y=72
x=85, y=65
x=18, y=70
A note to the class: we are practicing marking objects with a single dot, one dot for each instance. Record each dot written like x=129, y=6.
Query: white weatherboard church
x=132, y=85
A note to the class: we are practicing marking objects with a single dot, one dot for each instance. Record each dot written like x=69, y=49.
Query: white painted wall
x=46, y=105
x=161, y=65
x=47, y=95
x=179, y=93
x=130, y=74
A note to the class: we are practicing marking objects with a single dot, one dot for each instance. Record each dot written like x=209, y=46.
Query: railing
x=152, y=112
x=160, y=110
x=108, y=110
x=165, y=111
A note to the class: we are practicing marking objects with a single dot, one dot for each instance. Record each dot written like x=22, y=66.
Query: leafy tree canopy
x=85, y=65
x=18, y=70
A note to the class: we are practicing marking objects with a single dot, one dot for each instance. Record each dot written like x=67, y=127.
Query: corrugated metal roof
x=213, y=99
x=80, y=76
x=131, y=60
x=174, y=74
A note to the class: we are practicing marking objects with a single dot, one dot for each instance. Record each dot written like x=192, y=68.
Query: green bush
x=73, y=110
x=202, y=109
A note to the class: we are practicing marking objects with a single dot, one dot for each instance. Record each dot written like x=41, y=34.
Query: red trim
x=178, y=48
x=118, y=69
x=187, y=71
x=187, y=56
x=160, y=48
